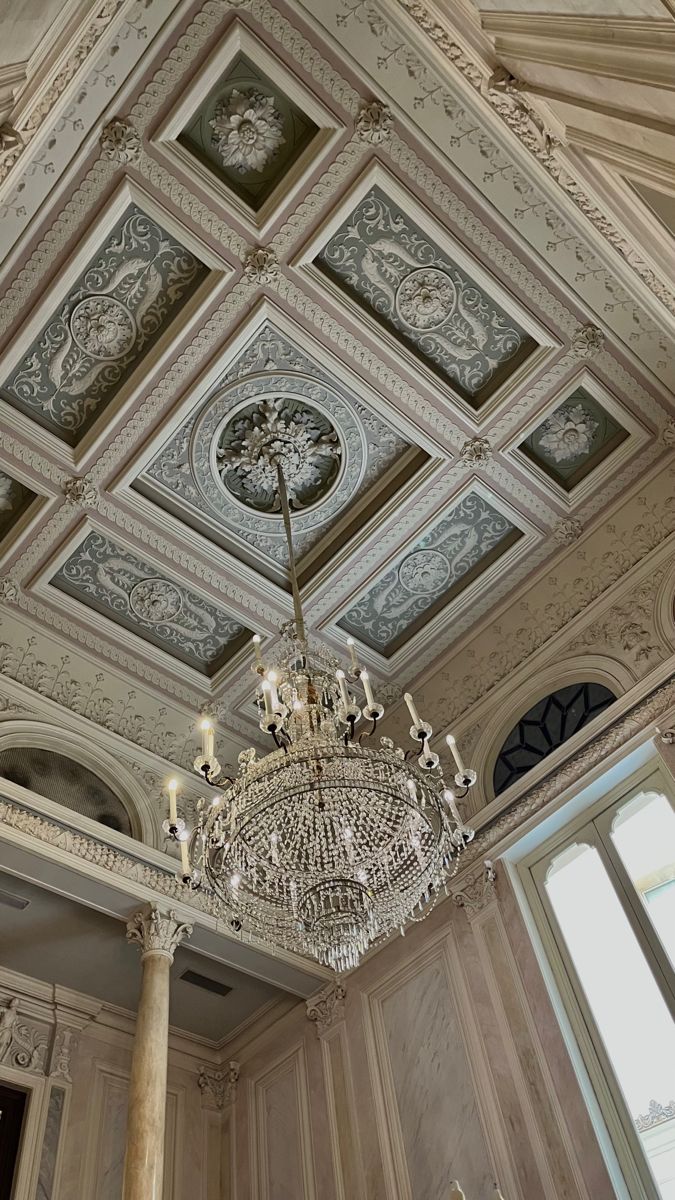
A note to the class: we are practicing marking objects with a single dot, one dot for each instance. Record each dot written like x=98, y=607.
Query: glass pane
x=643, y=832
x=628, y=1008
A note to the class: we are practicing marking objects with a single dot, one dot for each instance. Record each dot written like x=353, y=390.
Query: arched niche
x=67, y=770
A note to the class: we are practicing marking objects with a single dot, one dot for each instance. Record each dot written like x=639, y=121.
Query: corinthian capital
x=157, y=933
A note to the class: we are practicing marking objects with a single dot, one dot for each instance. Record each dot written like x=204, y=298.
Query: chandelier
x=335, y=838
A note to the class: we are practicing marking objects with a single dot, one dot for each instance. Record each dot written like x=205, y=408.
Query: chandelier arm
x=286, y=513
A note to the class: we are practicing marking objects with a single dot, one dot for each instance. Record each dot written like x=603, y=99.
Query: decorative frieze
x=157, y=933
x=327, y=1007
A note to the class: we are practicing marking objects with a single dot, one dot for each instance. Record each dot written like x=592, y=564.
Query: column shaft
x=144, y=1162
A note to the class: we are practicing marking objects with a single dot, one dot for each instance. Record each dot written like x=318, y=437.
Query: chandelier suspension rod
x=295, y=588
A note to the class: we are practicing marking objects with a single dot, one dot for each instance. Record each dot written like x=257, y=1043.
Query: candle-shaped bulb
x=184, y=858
x=414, y=715
x=353, y=656
x=344, y=695
x=173, y=811
x=267, y=697
x=455, y=754
x=365, y=680
x=456, y=1192
x=207, y=738
x=256, y=639
x=272, y=678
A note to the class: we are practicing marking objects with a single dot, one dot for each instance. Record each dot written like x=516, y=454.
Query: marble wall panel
x=280, y=1136
x=437, y=1112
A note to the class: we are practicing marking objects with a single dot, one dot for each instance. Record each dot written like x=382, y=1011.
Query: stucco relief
x=383, y=259
x=247, y=130
x=130, y=290
x=274, y=398
x=426, y=572
x=112, y=580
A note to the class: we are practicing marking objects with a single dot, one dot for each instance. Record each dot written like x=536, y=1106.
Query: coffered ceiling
x=329, y=228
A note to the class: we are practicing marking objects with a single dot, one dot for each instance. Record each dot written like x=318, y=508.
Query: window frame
x=592, y=826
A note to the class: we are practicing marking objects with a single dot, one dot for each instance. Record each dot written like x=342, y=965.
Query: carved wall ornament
x=384, y=259
x=6, y=493
x=567, y=530
x=247, y=130
x=667, y=737
x=374, y=122
x=588, y=341
x=120, y=141
x=9, y=590
x=478, y=890
x=476, y=452
x=219, y=1086
x=81, y=491
x=261, y=266
x=668, y=434
x=10, y=141
x=63, y=1046
x=327, y=1007
x=22, y=1045
x=157, y=933
x=567, y=434
x=658, y=1114
x=299, y=437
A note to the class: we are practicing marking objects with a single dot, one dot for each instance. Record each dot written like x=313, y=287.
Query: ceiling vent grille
x=203, y=981
x=12, y=901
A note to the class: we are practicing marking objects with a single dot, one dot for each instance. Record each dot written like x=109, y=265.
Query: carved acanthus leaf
x=219, y=1087
x=120, y=141
x=261, y=266
x=478, y=890
x=157, y=933
x=475, y=452
x=374, y=123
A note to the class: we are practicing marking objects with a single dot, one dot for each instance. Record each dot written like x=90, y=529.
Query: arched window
x=66, y=782
x=545, y=726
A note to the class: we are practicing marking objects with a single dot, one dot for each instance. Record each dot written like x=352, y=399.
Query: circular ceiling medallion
x=425, y=298
x=155, y=600
x=102, y=327
x=424, y=572
x=278, y=430
x=298, y=418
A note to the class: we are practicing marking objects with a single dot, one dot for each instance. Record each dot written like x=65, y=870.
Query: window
x=13, y=1103
x=545, y=726
x=603, y=892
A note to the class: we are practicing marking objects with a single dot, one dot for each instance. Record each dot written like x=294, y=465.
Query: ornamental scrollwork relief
x=567, y=530
x=261, y=266
x=478, y=890
x=476, y=452
x=327, y=1007
x=81, y=492
x=22, y=1045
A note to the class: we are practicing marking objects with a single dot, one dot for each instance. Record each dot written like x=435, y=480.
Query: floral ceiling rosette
x=119, y=306
x=574, y=439
x=247, y=130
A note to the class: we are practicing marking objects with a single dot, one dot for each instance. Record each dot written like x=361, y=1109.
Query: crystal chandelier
x=335, y=838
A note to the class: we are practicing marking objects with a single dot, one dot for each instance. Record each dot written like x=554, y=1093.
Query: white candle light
x=173, y=811
x=344, y=696
x=256, y=649
x=455, y=753
x=267, y=697
x=414, y=715
x=272, y=680
x=352, y=654
x=207, y=739
x=365, y=680
x=184, y=858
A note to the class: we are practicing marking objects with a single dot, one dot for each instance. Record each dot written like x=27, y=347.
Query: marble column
x=158, y=936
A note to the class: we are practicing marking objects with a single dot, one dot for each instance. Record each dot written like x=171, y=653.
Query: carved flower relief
x=7, y=490
x=567, y=434
x=425, y=298
x=119, y=306
x=286, y=431
x=247, y=130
